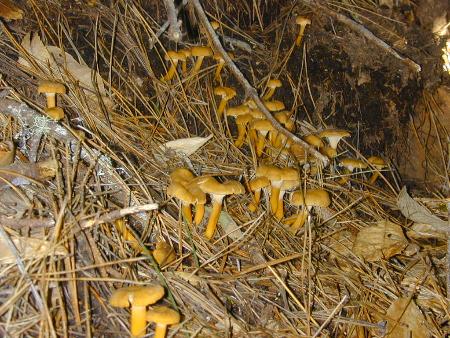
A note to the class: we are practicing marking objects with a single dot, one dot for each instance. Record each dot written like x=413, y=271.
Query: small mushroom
x=199, y=200
x=302, y=22
x=285, y=186
x=284, y=117
x=350, y=164
x=312, y=198
x=50, y=89
x=179, y=191
x=181, y=175
x=333, y=136
x=241, y=123
x=218, y=191
x=162, y=316
x=138, y=297
x=7, y=153
x=220, y=64
x=200, y=52
x=328, y=152
x=236, y=112
x=173, y=57
x=226, y=94
x=256, y=185
x=55, y=113
x=164, y=254
x=313, y=140
x=187, y=54
x=274, y=105
x=272, y=84
x=379, y=164
x=262, y=127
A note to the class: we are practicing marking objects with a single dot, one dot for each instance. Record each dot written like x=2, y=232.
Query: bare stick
x=360, y=29
x=174, y=25
x=250, y=91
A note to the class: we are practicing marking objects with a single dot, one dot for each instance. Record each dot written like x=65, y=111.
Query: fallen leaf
x=29, y=248
x=418, y=213
x=181, y=147
x=405, y=320
x=63, y=67
x=381, y=241
x=425, y=231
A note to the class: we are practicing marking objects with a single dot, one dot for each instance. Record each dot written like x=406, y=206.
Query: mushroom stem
x=160, y=330
x=218, y=71
x=214, y=217
x=198, y=64
x=279, y=214
x=171, y=71
x=253, y=205
x=51, y=100
x=269, y=94
x=138, y=321
x=260, y=143
x=221, y=108
x=199, y=213
x=374, y=177
x=299, y=221
x=298, y=41
x=274, y=193
x=187, y=212
x=241, y=135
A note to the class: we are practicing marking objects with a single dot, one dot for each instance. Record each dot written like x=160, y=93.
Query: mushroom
x=220, y=64
x=378, y=163
x=55, y=113
x=199, y=200
x=226, y=95
x=285, y=186
x=241, y=122
x=181, y=175
x=236, y=112
x=200, y=53
x=215, y=24
x=187, y=54
x=299, y=153
x=162, y=316
x=7, y=153
x=313, y=140
x=312, y=198
x=164, y=253
x=351, y=164
x=263, y=127
x=272, y=84
x=334, y=136
x=256, y=185
x=179, y=191
x=328, y=152
x=302, y=22
x=274, y=105
x=218, y=191
x=50, y=89
x=173, y=57
x=284, y=117
x=138, y=297
x=276, y=177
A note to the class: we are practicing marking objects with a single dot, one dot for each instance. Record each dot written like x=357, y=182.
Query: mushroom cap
x=237, y=110
x=225, y=92
x=259, y=183
x=301, y=20
x=257, y=114
x=163, y=253
x=251, y=104
x=290, y=184
x=136, y=295
x=181, y=175
x=46, y=86
x=334, y=133
x=262, y=125
x=328, y=151
x=274, y=105
x=298, y=152
x=163, y=315
x=199, y=194
x=283, y=116
x=353, y=163
x=274, y=83
x=214, y=187
x=178, y=190
x=377, y=162
x=244, y=119
x=313, y=140
x=215, y=24
x=201, y=51
x=274, y=173
x=313, y=198
x=56, y=113
x=174, y=56
x=186, y=52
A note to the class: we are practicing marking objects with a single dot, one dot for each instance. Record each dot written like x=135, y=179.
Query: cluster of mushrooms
x=266, y=142
x=138, y=298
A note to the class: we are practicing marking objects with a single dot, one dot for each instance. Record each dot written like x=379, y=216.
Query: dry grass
x=263, y=282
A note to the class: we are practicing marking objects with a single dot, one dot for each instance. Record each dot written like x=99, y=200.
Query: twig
x=174, y=24
x=360, y=29
x=250, y=91
x=14, y=223
x=332, y=314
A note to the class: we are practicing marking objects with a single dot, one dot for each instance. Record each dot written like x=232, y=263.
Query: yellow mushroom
x=334, y=136
x=200, y=52
x=302, y=22
x=180, y=192
x=226, y=94
x=378, y=163
x=350, y=164
x=50, y=89
x=173, y=57
x=162, y=316
x=312, y=198
x=164, y=254
x=272, y=84
x=256, y=185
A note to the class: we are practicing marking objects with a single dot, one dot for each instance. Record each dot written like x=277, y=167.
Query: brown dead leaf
x=381, y=241
x=405, y=320
x=9, y=11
